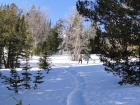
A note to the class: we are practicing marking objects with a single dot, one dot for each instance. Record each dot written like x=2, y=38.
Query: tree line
x=27, y=33
x=23, y=34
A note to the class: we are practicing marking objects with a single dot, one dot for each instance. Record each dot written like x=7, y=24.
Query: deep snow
x=70, y=83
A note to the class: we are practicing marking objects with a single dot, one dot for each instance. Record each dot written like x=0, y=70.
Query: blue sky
x=57, y=8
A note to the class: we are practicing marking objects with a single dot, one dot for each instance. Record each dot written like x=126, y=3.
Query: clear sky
x=57, y=8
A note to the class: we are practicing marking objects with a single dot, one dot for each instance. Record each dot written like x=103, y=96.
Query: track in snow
x=76, y=95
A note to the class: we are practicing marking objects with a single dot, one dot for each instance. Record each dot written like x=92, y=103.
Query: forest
x=24, y=34
x=113, y=34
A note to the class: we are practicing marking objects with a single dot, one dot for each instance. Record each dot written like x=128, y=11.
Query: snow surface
x=70, y=83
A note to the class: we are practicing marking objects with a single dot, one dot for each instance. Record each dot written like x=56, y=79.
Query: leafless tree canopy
x=39, y=24
x=75, y=37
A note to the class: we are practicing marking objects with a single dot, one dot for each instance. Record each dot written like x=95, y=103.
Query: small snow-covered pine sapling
x=44, y=64
x=13, y=81
x=26, y=75
x=38, y=79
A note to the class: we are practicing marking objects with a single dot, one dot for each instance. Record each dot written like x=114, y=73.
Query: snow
x=70, y=83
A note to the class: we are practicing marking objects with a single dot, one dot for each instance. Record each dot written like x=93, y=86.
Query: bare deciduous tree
x=39, y=24
x=75, y=38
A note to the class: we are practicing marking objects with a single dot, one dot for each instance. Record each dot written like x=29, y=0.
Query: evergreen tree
x=118, y=33
x=26, y=75
x=53, y=41
x=38, y=79
x=13, y=33
x=44, y=63
x=92, y=34
x=49, y=47
x=13, y=82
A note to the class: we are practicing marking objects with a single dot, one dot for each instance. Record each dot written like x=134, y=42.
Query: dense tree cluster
x=118, y=35
x=13, y=35
x=24, y=33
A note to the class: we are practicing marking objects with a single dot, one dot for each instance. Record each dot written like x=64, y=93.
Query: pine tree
x=13, y=33
x=91, y=32
x=117, y=32
x=26, y=75
x=38, y=79
x=53, y=41
x=44, y=63
x=14, y=81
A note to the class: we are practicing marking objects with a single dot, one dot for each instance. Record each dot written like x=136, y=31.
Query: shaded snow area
x=70, y=83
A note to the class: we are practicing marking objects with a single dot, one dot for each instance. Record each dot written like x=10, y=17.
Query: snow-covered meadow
x=70, y=83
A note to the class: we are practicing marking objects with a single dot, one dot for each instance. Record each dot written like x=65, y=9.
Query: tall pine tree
x=117, y=35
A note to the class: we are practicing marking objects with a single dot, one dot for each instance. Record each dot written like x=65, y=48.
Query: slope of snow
x=70, y=83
